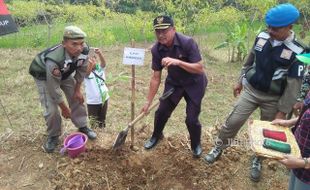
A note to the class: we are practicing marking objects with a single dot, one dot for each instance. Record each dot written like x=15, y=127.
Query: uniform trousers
x=250, y=99
x=166, y=108
x=51, y=112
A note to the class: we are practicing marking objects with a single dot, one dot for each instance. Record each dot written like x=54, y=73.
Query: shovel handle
x=141, y=115
x=164, y=96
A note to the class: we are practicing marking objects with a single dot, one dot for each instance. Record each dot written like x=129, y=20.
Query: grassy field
x=22, y=130
x=21, y=116
x=20, y=98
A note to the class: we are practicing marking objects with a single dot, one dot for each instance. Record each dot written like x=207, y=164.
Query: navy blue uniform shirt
x=186, y=49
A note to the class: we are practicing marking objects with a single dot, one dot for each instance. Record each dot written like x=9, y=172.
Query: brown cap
x=74, y=32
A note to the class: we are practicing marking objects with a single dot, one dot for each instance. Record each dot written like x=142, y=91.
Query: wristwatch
x=307, y=165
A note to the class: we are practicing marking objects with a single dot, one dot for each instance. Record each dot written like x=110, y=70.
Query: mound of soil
x=170, y=165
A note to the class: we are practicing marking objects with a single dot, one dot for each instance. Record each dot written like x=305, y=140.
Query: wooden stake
x=133, y=97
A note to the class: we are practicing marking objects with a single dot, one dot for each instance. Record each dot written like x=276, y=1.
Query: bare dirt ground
x=24, y=165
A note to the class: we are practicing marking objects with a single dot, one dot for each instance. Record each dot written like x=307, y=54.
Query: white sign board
x=133, y=56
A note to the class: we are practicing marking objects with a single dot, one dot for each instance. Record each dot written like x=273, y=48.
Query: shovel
x=121, y=137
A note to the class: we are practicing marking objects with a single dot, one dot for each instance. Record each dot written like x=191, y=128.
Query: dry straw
x=255, y=130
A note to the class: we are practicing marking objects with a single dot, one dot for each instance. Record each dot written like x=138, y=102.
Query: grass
x=111, y=29
x=19, y=95
x=117, y=29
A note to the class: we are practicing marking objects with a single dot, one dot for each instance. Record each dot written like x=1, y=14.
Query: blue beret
x=282, y=15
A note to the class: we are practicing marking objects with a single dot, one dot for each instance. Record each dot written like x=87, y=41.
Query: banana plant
x=236, y=40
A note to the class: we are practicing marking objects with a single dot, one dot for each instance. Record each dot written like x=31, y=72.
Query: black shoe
x=102, y=125
x=197, y=151
x=256, y=169
x=213, y=155
x=51, y=144
x=89, y=132
x=152, y=142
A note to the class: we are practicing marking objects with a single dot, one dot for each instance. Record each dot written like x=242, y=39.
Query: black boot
x=256, y=169
x=89, y=132
x=197, y=151
x=102, y=125
x=51, y=144
x=213, y=155
x=151, y=143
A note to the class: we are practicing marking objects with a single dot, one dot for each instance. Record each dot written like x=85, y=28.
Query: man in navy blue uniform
x=179, y=54
x=270, y=80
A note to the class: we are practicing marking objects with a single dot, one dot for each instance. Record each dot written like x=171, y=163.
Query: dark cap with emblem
x=162, y=22
x=74, y=32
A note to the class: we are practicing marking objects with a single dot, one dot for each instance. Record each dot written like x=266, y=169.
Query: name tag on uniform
x=260, y=44
x=286, y=54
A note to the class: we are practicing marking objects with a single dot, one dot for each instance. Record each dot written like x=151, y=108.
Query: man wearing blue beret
x=270, y=78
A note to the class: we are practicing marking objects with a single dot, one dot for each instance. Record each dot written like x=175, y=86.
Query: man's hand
x=237, y=89
x=167, y=61
x=282, y=122
x=145, y=108
x=292, y=162
x=92, y=63
x=78, y=96
x=98, y=51
x=77, y=93
x=65, y=111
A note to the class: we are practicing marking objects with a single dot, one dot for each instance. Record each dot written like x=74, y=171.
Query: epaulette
x=295, y=46
x=303, y=45
x=263, y=35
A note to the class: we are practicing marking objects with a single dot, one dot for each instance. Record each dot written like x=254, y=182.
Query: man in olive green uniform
x=62, y=67
x=270, y=80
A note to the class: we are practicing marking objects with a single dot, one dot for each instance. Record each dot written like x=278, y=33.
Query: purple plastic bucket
x=75, y=144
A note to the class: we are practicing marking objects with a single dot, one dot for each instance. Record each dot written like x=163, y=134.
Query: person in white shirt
x=96, y=90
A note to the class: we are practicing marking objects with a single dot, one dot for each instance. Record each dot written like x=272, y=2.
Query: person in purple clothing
x=300, y=174
x=180, y=55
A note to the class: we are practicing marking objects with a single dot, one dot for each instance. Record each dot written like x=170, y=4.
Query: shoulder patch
x=264, y=35
x=56, y=72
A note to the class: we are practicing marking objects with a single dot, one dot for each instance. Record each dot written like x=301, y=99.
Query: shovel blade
x=120, y=139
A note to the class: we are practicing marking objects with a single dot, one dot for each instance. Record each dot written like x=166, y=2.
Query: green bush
x=24, y=12
x=42, y=24
x=29, y=13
